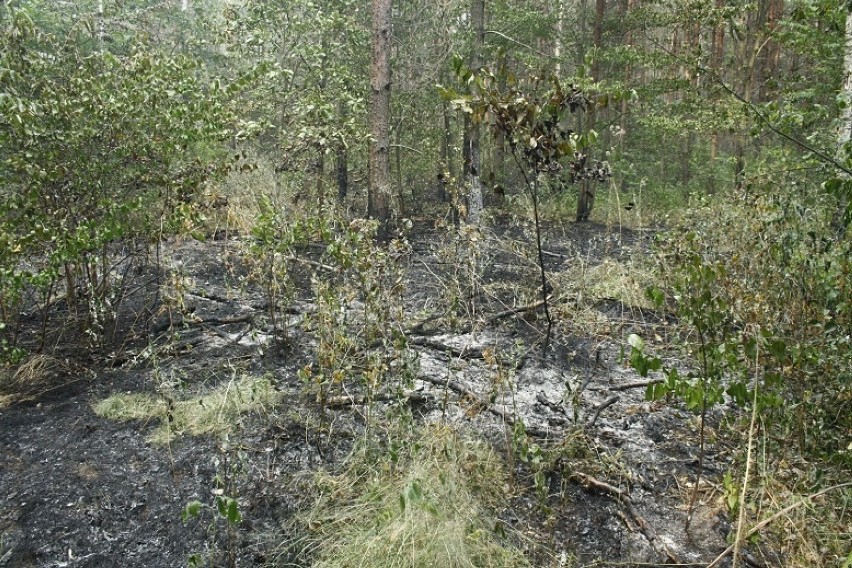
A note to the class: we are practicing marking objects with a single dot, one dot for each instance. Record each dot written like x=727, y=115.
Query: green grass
x=216, y=412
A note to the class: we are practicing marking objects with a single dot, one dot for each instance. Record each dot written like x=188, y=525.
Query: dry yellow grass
x=216, y=412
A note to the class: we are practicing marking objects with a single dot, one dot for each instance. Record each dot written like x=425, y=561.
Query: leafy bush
x=768, y=272
x=94, y=148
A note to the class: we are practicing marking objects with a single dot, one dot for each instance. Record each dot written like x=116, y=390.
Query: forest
x=426, y=283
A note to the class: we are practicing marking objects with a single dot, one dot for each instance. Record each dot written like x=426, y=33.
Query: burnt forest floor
x=79, y=489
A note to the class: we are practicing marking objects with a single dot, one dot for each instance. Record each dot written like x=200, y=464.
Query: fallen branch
x=313, y=263
x=603, y=406
x=460, y=352
x=417, y=329
x=462, y=390
x=345, y=400
x=624, y=499
x=636, y=385
x=542, y=400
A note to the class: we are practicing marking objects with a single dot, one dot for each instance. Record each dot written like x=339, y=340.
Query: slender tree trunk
x=560, y=30
x=586, y=191
x=341, y=162
x=845, y=133
x=445, y=168
x=398, y=159
x=379, y=195
x=474, y=199
x=100, y=24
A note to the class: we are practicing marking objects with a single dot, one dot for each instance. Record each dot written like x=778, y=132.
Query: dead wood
x=313, y=263
x=486, y=405
x=345, y=400
x=542, y=400
x=623, y=497
x=459, y=352
x=636, y=385
x=417, y=329
x=603, y=406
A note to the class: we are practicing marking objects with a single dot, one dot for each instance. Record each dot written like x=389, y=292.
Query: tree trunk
x=378, y=198
x=445, y=168
x=586, y=197
x=585, y=200
x=398, y=159
x=341, y=162
x=474, y=198
x=844, y=137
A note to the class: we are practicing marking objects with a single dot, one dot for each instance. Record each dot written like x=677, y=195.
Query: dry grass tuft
x=425, y=508
x=35, y=375
x=216, y=412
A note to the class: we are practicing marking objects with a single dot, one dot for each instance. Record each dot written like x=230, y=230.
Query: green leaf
x=656, y=391
x=233, y=515
x=635, y=342
x=191, y=511
x=778, y=349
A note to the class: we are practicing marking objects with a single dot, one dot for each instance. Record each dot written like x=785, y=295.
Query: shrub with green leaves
x=763, y=284
x=94, y=148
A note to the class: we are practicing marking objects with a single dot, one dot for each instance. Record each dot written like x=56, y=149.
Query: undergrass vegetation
x=423, y=502
x=217, y=412
x=760, y=283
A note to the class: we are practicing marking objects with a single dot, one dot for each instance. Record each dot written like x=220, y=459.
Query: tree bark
x=586, y=192
x=845, y=133
x=474, y=200
x=379, y=195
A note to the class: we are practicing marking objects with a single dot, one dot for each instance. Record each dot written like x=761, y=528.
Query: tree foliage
x=94, y=148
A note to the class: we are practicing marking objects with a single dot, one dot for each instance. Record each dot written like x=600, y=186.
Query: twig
x=516, y=42
x=744, y=490
x=623, y=497
x=603, y=406
x=636, y=385
x=311, y=263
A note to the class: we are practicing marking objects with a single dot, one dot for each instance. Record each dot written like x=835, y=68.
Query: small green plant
x=358, y=322
x=225, y=509
x=764, y=322
x=534, y=122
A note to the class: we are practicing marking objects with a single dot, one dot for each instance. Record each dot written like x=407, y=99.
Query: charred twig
x=460, y=352
x=623, y=497
x=462, y=390
x=542, y=400
x=417, y=329
x=636, y=385
x=603, y=406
